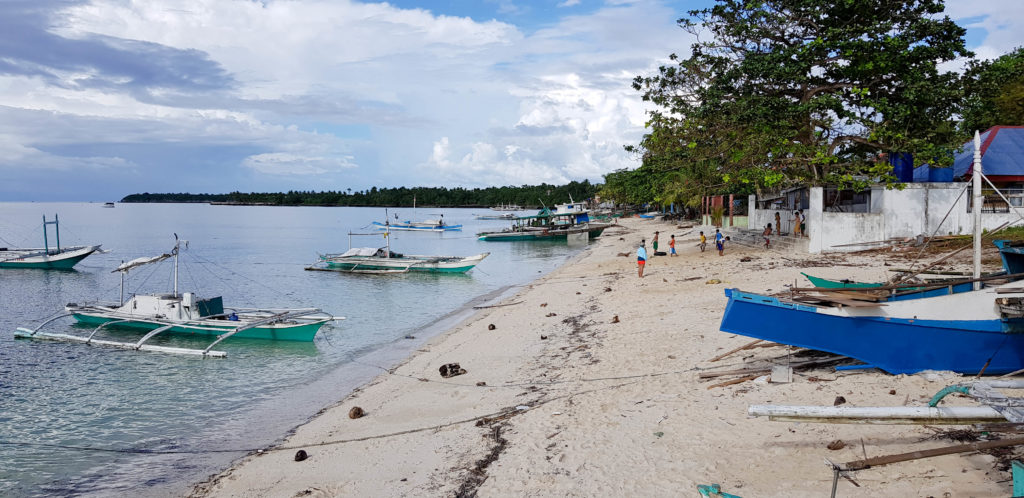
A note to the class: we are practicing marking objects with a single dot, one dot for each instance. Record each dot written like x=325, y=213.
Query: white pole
x=122, y=287
x=177, y=245
x=877, y=414
x=978, y=203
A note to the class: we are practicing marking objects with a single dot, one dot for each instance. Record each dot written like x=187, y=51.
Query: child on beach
x=703, y=242
x=655, y=243
x=719, y=242
x=641, y=258
x=767, y=232
x=672, y=246
x=797, y=220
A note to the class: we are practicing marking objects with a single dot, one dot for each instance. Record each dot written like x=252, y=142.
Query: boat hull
x=536, y=235
x=898, y=345
x=302, y=332
x=66, y=260
x=417, y=228
x=412, y=264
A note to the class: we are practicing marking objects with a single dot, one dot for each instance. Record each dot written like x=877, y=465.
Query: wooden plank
x=734, y=381
x=766, y=369
x=727, y=353
x=916, y=455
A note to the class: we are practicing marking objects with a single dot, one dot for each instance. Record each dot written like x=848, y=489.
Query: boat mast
x=978, y=203
x=177, y=244
x=121, y=302
x=56, y=227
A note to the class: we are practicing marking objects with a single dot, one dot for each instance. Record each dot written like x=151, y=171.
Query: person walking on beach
x=767, y=233
x=655, y=244
x=703, y=242
x=672, y=246
x=641, y=258
x=796, y=223
x=719, y=242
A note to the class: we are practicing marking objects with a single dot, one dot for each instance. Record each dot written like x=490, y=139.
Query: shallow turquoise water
x=54, y=396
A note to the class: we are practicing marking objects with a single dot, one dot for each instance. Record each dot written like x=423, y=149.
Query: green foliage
x=526, y=196
x=994, y=93
x=802, y=92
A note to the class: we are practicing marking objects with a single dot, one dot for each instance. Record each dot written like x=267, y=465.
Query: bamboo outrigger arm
x=32, y=332
x=280, y=317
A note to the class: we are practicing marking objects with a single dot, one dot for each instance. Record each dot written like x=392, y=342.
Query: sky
x=103, y=98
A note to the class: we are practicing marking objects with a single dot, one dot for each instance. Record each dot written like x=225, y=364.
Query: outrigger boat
x=546, y=225
x=383, y=260
x=972, y=332
x=46, y=258
x=182, y=314
x=437, y=225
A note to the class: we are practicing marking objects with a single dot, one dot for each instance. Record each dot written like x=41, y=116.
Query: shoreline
x=591, y=388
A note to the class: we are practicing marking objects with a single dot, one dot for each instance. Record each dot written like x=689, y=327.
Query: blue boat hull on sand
x=896, y=345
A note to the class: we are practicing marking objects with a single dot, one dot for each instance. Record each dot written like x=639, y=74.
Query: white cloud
x=569, y=3
x=285, y=164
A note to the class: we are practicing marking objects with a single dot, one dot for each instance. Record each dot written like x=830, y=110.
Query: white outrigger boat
x=44, y=257
x=183, y=314
x=383, y=260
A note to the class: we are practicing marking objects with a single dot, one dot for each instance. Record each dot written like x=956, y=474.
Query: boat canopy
x=360, y=251
x=139, y=262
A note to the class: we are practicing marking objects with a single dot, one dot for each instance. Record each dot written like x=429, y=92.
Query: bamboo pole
x=916, y=455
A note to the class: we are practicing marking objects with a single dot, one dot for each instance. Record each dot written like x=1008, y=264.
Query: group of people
x=641, y=252
x=799, y=227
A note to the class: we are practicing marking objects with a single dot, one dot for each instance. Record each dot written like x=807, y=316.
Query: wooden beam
x=727, y=353
x=916, y=455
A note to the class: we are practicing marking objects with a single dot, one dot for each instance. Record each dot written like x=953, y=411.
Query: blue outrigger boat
x=980, y=330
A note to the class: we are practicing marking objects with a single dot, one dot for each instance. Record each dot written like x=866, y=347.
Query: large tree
x=994, y=92
x=807, y=91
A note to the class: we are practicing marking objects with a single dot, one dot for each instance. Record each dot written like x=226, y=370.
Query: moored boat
x=547, y=225
x=183, y=313
x=368, y=259
x=46, y=258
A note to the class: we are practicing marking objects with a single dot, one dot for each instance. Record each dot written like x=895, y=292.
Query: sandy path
x=611, y=408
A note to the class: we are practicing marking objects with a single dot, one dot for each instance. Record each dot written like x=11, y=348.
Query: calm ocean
x=68, y=410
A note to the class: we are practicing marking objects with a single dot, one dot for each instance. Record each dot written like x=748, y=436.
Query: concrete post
x=815, y=220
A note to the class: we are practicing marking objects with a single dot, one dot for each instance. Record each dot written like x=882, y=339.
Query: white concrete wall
x=920, y=208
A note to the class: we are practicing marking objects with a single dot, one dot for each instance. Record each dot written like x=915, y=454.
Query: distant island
x=525, y=196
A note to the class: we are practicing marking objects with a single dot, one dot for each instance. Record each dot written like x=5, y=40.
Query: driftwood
x=764, y=370
x=916, y=455
x=741, y=348
x=734, y=381
x=496, y=305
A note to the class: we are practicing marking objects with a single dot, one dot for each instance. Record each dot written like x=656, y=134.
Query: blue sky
x=103, y=98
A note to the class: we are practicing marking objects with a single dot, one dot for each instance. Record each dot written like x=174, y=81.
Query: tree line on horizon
x=533, y=196
x=790, y=93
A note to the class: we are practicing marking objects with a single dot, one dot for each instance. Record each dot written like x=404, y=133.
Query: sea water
x=85, y=420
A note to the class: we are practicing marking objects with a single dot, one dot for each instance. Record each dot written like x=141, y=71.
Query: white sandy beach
x=578, y=403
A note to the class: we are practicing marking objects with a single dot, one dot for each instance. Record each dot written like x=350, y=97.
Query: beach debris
x=838, y=444
x=410, y=337
x=919, y=454
x=543, y=305
x=741, y=348
x=746, y=259
x=491, y=326
x=607, y=289
x=734, y=381
x=301, y=455
x=451, y=370
x=578, y=293
x=615, y=319
x=356, y=412
x=713, y=281
x=713, y=491
x=626, y=254
x=839, y=401
x=522, y=407
x=481, y=383
x=496, y=305
x=671, y=356
x=782, y=374
x=659, y=434
x=892, y=392
x=543, y=337
x=551, y=314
